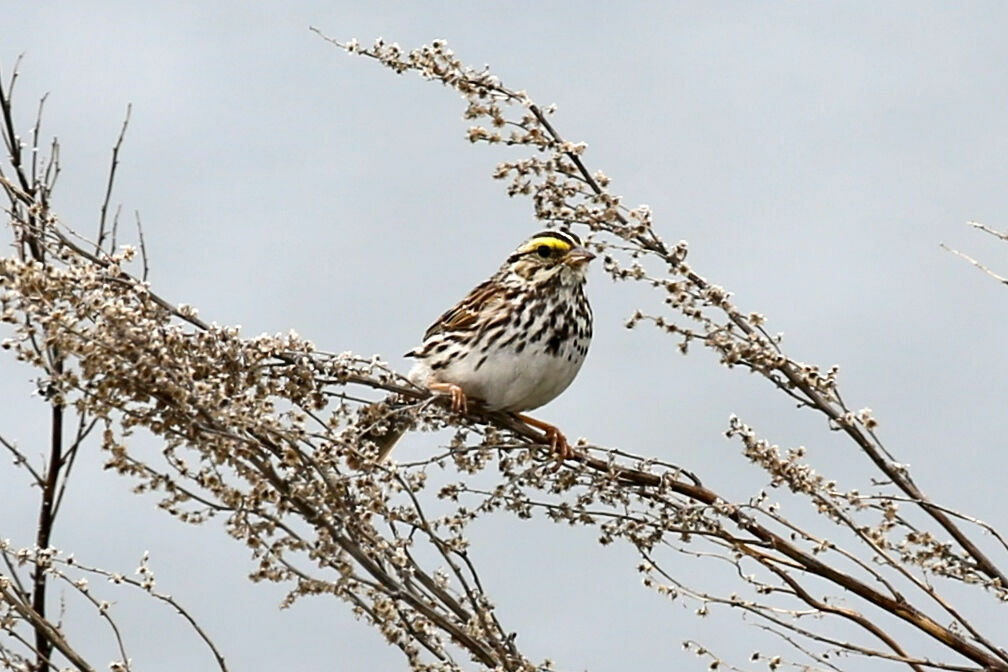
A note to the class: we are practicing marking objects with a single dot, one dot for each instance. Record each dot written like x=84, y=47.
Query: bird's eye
x=543, y=251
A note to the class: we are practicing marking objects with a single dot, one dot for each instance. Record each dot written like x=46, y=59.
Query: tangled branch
x=260, y=432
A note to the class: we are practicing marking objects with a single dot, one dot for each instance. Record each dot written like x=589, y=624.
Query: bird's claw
x=459, y=403
x=558, y=444
x=557, y=441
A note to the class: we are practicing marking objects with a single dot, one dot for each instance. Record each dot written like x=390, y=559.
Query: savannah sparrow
x=516, y=341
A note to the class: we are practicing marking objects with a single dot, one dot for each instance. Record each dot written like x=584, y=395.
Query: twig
x=21, y=460
x=143, y=246
x=51, y=634
x=110, y=182
x=999, y=278
x=987, y=229
x=166, y=599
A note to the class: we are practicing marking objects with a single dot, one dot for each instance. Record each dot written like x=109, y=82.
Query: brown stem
x=42, y=625
x=897, y=607
x=825, y=608
x=43, y=642
x=794, y=377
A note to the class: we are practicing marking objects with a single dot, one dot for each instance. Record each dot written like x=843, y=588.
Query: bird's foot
x=557, y=441
x=459, y=403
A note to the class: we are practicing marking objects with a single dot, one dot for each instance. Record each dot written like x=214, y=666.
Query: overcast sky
x=813, y=154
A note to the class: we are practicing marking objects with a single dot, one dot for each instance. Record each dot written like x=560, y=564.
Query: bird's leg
x=458, y=397
x=558, y=442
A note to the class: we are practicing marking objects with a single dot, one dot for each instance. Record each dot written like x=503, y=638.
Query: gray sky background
x=813, y=154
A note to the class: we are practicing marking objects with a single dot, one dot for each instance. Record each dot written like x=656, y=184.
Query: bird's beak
x=579, y=256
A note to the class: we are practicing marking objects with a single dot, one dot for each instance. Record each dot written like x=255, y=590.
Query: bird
x=514, y=343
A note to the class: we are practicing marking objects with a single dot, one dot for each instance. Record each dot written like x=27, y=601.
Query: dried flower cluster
x=259, y=432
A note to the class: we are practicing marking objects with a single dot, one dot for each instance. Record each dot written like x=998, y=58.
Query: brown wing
x=466, y=313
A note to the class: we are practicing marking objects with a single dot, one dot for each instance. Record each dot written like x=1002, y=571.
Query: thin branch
x=962, y=255
x=110, y=182
x=987, y=229
x=166, y=599
x=143, y=246
x=84, y=428
x=21, y=461
x=51, y=634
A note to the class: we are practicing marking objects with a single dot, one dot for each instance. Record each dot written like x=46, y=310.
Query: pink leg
x=558, y=442
x=458, y=397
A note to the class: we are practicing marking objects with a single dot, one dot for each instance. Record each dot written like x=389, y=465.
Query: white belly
x=508, y=381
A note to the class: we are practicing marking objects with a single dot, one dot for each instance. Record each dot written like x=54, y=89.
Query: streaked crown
x=548, y=255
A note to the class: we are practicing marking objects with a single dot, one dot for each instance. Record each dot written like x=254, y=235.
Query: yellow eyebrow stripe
x=549, y=241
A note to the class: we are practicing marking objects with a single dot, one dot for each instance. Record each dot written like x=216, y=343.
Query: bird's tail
x=386, y=441
x=385, y=426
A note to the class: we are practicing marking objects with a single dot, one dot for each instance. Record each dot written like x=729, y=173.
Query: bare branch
x=976, y=263
x=986, y=229
x=52, y=635
x=110, y=182
x=270, y=435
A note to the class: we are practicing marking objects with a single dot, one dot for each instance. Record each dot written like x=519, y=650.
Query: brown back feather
x=464, y=315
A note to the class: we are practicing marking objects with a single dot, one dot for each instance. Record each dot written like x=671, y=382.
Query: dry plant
x=258, y=432
x=1000, y=235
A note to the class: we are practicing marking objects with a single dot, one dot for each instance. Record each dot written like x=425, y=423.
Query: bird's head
x=548, y=255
